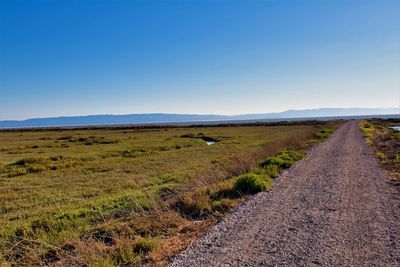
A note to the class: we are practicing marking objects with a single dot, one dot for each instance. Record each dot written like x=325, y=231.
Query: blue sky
x=226, y=57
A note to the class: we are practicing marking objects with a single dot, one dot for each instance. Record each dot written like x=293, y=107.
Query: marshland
x=133, y=195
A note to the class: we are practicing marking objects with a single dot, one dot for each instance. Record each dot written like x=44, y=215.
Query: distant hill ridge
x=169, y=118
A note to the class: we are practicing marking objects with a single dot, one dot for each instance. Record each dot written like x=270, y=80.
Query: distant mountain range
x=91, y=120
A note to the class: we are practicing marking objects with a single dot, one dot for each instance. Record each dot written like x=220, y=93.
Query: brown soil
x=334, y=208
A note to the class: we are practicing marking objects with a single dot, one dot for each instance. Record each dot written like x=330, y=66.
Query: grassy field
x=118, y=196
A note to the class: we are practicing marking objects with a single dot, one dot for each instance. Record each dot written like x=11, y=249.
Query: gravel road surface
x=334, y=208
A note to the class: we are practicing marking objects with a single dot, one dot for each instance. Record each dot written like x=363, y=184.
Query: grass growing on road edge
x=385, y=142
x=283, y=160
x=251, y=183
x=325, y=133
x=219, y=198
x=367, y=130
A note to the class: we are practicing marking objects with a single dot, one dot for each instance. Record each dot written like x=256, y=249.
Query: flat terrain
x=334, y=208
x=91, y=196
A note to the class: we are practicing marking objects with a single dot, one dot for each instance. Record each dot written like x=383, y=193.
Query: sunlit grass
x=98, y=195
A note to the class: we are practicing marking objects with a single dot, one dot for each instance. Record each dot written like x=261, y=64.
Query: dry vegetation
x=385, y=142
x=120, y=196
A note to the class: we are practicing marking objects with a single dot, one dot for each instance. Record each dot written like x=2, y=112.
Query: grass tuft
x=251, y=183
x=283, y=160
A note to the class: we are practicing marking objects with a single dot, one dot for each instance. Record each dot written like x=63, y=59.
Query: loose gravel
x=334, y=208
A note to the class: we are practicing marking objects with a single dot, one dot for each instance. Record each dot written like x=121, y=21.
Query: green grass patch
x=324, y=133
x=366, y=129
x=251, y=183
x=283, y=160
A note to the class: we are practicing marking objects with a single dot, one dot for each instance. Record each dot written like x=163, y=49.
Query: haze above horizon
x=61, y=58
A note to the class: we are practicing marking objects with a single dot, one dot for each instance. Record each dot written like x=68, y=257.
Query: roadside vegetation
x=385, y=142
x=133, y=195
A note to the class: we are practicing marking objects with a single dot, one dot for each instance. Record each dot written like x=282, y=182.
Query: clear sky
x=77, y=57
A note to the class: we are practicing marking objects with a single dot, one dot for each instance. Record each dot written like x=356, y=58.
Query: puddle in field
x=208, y=139
x=397, y=128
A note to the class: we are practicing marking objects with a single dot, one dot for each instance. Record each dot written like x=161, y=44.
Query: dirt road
x=334, y=208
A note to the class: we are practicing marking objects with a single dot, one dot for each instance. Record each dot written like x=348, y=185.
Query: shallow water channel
x=396, y=128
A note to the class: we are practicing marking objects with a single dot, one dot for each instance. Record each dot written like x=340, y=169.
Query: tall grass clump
x=251, y=183
x=283, y=160
x=272, y=170
x=272, y=166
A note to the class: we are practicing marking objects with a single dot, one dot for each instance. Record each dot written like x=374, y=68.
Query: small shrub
x=291, y=155
x=283, y=160
x=278, y=161
x=272, y=170
x=272, y=161
x=251, y=183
